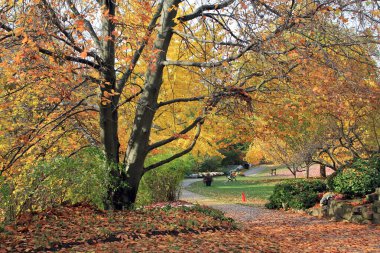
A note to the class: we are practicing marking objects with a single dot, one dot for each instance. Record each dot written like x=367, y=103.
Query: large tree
x=119, y=49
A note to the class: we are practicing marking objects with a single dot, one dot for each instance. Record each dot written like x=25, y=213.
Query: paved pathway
x=235, y=211
x=254, y=170
x=294, y=232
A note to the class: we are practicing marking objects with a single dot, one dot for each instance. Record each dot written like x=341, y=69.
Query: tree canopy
x=134, y=77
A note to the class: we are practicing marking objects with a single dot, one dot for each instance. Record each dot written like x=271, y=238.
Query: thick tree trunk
x=108, y=107
x=139, y=140
x=108, y=133
x=110, y=140
x=322, y=169
x=307, y=171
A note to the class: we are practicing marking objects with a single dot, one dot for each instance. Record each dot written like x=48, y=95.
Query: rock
x=368, y=222
x=377, y=190
x=357, y=219
x=376, y=207
x=325, y=198
x=317, y=212
x=372, y=197
x=376, y=218
x=367, y=215
x=357, y=209
x=347, y=212
x=335, y=219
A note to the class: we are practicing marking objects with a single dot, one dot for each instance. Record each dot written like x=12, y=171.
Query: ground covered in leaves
x=181, y=229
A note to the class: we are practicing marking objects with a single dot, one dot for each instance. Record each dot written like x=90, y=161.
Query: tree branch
x=207, y=7
x=179, y=100
x=212, y=64
x=88, y=25
x=222, y=43
x=70, y=58
x=136, y=56
x=184, y=152
x=176, y=136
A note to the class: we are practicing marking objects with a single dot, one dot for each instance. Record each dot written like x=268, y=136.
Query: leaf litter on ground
x=181, y=227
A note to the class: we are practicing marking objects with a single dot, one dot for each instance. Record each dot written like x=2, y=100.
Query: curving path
x=292, y=231
x=238, y=212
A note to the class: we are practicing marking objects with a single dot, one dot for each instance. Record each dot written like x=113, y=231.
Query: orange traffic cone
x=243, y=199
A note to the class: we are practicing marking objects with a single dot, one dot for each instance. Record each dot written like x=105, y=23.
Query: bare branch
x=88, y=25
x=182, y=153
x=222, y=43
x=207, y=7
x=176, y=136
x=70, y=58
x=180, y=100
x=213, y=64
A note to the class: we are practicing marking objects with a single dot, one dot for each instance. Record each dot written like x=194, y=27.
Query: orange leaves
x=53, y=100
x=80, y=25
x=148, y=229
x=107, y=96
x=18, y=31
x=25, y=39
x=83, y=54
x=343, y=19
x=183, y=230
x=243, y=5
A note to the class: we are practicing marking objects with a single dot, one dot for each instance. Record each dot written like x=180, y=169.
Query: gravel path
x=293, y=232
x=254, y=170
x=235, y=211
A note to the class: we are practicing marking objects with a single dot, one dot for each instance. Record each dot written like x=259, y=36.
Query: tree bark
x=139, y=140
x=322, y=169
x=108, y=115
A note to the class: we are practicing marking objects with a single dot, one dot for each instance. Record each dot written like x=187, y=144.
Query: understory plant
x=80, y=178
x=358, y=179
x=164, y=183
x=296, y=194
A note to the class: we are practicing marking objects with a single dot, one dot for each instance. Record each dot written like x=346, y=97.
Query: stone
x=367, y=215
x=372, y=197
x=368, y=222
x=335, y=219
x=377, y=190
x=317, y=212
x=376, y=207
x=326, y=198
x=347, y=212
x=356, y=219
x=357, y=209
x=376, y=218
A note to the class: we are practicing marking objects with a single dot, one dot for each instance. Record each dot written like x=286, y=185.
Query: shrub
x=164, y=183
x=297, y=194
x=360, y=178
x=212, y=163
x=82, y=178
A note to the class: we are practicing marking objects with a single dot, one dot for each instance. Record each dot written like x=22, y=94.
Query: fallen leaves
x=181, y=227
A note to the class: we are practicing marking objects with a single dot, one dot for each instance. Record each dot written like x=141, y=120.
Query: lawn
x=256, y=189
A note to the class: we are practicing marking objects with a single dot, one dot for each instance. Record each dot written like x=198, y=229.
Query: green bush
x=82, y=178
x=360, y=178
x=296, y=194
x=212, y=163
x=164, y=183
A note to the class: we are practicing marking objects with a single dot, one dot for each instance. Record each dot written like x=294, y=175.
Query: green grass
x=267, y=170
x=257, y=189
